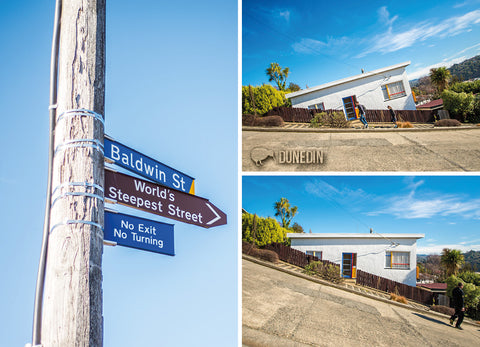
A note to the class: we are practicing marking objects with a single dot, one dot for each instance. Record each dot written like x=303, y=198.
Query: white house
x=374, y=89
x=392, y=256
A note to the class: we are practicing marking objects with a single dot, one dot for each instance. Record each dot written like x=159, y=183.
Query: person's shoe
x=459, y=328
x=451, y=321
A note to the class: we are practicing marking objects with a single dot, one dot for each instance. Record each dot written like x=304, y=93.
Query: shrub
x=327, y=272
x=398, y=298
x=248, y=119
x=264, y=254
x=273, y=121
x=262, y=231
x=459, y=105
x=447, y=123
x=474, y=116
x=331, y=120
x=264, y=98
x=404, y=125
x=443, y=309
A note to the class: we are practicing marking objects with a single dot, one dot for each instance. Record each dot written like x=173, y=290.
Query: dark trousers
x=458, y=313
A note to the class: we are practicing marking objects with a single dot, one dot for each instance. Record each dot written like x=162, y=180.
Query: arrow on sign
x=163, y=201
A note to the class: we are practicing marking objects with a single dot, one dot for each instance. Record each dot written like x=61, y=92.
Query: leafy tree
x=440, y=77
x=459, y=105
x=277, y=74
x=284, y=211
x=293, y=87
x=262, y=231
x=466, y=87
x=260, y=100
x=452, y=260
x=470, y=277
x=472, y=292
x=297, y=228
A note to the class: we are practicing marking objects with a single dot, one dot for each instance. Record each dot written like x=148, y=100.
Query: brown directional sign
x=163, y=201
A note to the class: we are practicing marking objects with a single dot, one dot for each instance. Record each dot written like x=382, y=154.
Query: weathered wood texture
x=72, y=314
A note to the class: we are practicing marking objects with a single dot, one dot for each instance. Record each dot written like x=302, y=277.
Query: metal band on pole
x=81, y=112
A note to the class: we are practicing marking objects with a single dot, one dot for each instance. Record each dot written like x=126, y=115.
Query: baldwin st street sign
x=163, y=201
x=147, y=167
x=140, y=233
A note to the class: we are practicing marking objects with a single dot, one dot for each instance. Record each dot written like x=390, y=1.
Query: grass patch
x=398, y=298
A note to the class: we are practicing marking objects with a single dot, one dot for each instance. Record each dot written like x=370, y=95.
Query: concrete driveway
x=373, y=150
x=279, y=309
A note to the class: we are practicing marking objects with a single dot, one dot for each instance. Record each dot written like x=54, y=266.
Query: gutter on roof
x=346, y=80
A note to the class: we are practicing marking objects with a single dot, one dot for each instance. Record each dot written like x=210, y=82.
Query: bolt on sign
x=161, y=200
x=140, y=233
x=147, y=167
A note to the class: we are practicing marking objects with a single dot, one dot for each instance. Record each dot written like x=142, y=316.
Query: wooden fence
x=413, y=293
x=413, y=116
x=305, y=115
x=293, y=256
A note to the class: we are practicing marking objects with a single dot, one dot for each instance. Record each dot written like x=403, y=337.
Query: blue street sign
x=147, y=167
x=139, y=233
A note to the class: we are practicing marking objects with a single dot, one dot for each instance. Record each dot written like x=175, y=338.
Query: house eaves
x=353, y=236
x=347, y=80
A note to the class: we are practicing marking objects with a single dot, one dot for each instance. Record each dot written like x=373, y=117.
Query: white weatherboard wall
x=370, y=249
x=367, y=87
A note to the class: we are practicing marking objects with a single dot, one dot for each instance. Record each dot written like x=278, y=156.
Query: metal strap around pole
x=75, y=221
x=78, y=184
x=81, y=112
x=92, y=143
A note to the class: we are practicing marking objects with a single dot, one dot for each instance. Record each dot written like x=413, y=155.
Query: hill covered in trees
x=467, y=69
x=473, y=258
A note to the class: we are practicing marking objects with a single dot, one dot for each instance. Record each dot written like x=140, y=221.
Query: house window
x=393, y=90
x=397, y=260
x=319, y=106
x=317, y=254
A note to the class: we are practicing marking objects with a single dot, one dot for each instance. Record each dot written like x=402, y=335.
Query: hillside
x=473, y=257
x=467, y=69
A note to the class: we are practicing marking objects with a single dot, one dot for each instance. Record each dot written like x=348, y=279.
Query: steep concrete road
x=283, y=310
x=365, y=150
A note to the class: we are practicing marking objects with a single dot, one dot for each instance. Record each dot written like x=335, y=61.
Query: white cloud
x=412, y=207
x=424, y=71
x=285, y=15
x=392, y=41
x=308, y=46
x=384, y=16
x=437, y=249
x=331, y=46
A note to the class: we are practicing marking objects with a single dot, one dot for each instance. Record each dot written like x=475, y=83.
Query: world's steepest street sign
x=147, y=167
x=139, y=233
x=161, y=200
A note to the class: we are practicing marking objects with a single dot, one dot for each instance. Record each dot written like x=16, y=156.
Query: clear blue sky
x=444, y=208
x=323, y=41
x=171, y=93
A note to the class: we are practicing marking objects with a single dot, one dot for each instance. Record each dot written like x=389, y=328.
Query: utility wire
x=336, y=204
x=37, y=315
x=294, y=39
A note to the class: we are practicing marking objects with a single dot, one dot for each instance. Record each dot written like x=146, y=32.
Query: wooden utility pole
x=72, y=305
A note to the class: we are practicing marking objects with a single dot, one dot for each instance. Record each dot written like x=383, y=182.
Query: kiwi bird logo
x=260, y=154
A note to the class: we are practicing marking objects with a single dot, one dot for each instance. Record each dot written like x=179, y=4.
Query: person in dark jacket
x=361, y=110
x=393, y=116
x=458, y=303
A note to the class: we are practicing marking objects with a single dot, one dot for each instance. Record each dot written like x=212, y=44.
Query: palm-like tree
x=277, y=74
x=440, y=77
x=453, y=260
x=284, y=211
